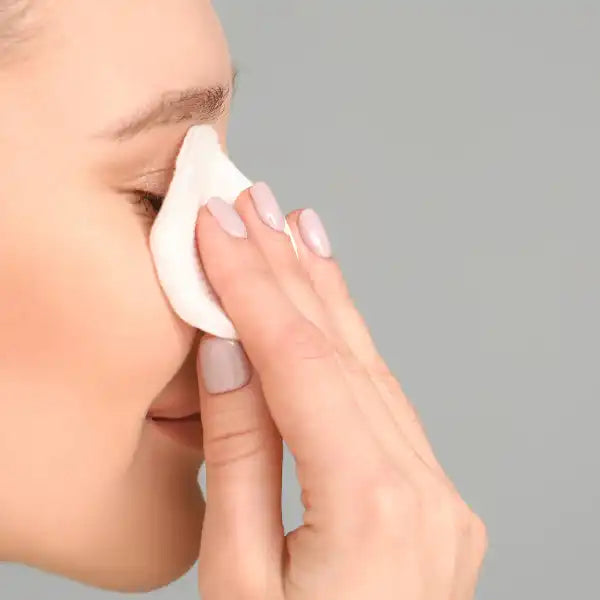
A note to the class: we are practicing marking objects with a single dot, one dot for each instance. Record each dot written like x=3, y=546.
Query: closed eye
x=151, y=203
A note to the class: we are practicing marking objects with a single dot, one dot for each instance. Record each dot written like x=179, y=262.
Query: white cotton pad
x=202, y=170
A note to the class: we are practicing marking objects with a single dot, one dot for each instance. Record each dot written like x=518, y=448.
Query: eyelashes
x=146, y=195
x=150, y=203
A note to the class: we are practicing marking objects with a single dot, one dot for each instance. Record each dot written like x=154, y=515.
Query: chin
x=161, y=516
x=136, y=535
x=149, y=567
x=126, y=560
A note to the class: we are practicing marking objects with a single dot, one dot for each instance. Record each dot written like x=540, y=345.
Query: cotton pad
x=202, y=170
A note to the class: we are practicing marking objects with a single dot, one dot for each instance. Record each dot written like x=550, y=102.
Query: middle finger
x=265, y=221
x=265, y=224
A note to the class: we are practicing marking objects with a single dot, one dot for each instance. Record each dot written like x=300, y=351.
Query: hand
x=381, y=518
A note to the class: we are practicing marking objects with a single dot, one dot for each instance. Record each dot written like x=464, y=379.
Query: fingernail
x=313, y=233
x=266, y=206
x=224, y=365
x=227, y=217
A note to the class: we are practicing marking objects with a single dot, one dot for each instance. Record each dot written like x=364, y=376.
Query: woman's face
x=88, y=486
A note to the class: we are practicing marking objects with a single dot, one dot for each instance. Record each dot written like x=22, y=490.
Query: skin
x=88, y=488
x=382, y=519
x=89, y=341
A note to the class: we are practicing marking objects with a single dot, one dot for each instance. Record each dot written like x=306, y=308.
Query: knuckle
x=351, y=363
x=329, y=280
x=237, y=282
x=479, y=534
x=439, y=505
x=380, y=371
x=303, y=340
x=232, y=446
x=463, y=514
x=469, y=525
x=337, y=283
x=230, y=436
x=439, y=512
x=409, y=411
x=378, y=368
x=390, y=501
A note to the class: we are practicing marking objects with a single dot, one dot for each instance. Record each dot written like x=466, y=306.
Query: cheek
x=85, y=296
x=88, y=340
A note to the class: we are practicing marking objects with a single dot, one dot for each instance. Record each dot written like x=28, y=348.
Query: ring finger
x=265, y=224
x=328, y=283
x=264, y=221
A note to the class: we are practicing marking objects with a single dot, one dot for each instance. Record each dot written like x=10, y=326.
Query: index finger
x=303, y=383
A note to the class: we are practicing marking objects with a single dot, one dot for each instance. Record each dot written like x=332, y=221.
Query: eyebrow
x=200, y=104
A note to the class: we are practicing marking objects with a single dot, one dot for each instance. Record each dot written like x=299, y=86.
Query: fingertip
x=202, y=219
x=223, y=365
x=244, y=199
x=293, y=215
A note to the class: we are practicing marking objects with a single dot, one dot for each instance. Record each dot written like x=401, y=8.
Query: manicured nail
x=266, y=206
x=227, y=217
x=224, y=365
x=313, y=233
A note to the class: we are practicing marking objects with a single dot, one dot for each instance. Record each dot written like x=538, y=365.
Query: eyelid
x=155, y=182
x=157, y=175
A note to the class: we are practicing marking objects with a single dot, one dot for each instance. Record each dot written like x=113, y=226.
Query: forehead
x=104, y=58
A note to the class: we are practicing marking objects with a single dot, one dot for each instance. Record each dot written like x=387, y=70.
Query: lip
x=175, y=411
x=186, y=431
x=174, y=414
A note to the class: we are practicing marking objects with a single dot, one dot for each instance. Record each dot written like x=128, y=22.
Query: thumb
x=242, y=535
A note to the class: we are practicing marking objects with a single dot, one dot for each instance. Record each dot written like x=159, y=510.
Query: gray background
x=452, y=151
